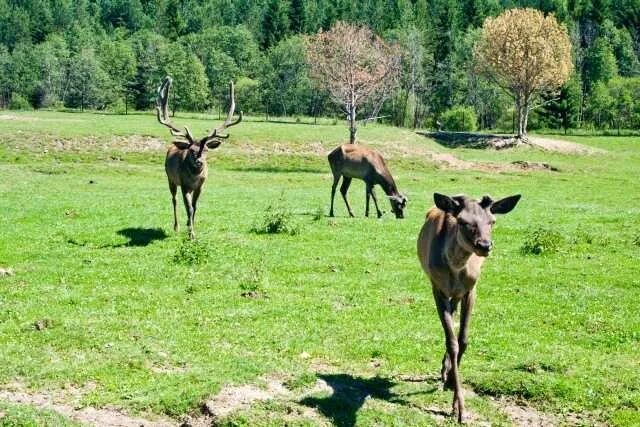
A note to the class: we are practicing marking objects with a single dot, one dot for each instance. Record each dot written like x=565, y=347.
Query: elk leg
x=194, y=203
x=465, y=318
x=174, y=189
x=186, y=197
x=367, y=195
x=445, y=312
x=375, y=202
x=445, y=372
x=333, y=192
x=346, y=182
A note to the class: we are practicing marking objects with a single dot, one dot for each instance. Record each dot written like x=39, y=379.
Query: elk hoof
x=176, y=228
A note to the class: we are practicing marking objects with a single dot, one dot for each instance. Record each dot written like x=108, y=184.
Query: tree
x=525, y=53
x=600, y=62
x=275, y=23
x=119, y=62
x=355, y=66
x=600, y=105
x=286, y=82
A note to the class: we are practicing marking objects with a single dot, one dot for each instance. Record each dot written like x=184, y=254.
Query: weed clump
x=636, y=239
x=277, y=219
x=191, y=252
x=542, y=240
x=253, y=282
x=318, y=214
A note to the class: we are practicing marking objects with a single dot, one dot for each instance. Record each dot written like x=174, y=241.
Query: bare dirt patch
x=18, y=118
x=524, y=415
x=87, y=415
x=233, y=398
x=560, y=146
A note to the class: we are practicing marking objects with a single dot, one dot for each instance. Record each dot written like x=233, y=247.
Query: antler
x=228, y=122
x=163, y=115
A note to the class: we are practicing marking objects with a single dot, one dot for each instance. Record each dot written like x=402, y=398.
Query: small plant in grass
x=318, y=214
x=277, y=219
x=253, y=281
x=636, y=239
x=302, y=381
x=191, y=252
x=542, y=240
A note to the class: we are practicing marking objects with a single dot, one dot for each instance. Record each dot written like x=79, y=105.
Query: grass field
x=99, y=307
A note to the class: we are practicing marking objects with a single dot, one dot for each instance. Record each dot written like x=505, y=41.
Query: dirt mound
x=499, y=142
x=523, y=164
x=18, y=118
x=560, y=146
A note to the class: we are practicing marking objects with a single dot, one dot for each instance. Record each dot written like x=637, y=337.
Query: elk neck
x=388, y=184
x=455, y=255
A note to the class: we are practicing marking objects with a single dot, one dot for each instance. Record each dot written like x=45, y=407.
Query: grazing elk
x=186, y=161
x=453, y=243
x=356, y=161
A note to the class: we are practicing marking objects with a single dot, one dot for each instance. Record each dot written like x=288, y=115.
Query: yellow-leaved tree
x=526, y=53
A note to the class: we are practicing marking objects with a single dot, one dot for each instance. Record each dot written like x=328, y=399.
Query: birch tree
x=355, y=66
x=526, y=53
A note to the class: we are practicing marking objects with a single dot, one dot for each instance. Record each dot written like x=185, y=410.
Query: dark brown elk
x=356, y=161
x=453, y=243
x=186, y=161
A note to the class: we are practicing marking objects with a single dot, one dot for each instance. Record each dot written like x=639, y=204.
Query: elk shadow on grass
x=350, y=393
x=141, y=236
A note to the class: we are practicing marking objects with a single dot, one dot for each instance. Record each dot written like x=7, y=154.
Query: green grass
x=89, y=234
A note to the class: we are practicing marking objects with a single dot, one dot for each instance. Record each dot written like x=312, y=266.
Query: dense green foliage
x=111, y=54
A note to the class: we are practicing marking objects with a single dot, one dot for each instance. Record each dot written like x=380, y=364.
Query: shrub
x=19, y=102
x=191, y=252
x=253, y=280
x=460, y=119
x=118, y=106
x=542, y=240
x=277, y=219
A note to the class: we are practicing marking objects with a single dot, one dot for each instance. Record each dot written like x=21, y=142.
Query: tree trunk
x=352, y=125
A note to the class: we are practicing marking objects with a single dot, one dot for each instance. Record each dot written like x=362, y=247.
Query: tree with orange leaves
x=526, y=53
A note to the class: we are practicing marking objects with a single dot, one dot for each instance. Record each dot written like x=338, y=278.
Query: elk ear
x=486, y=202
x=505, y=205
x=447, y=204
x=183, y=145
x=214, y=144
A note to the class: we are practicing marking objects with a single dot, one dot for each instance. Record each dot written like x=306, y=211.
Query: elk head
x=398, y=203
x=475, y=219
x=197, y=149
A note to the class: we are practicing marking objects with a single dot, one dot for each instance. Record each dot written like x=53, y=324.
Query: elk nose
x=484, y=245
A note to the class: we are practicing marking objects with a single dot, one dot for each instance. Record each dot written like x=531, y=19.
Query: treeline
x=112, y=54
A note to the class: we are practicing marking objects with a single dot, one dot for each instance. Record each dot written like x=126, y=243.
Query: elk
x=356, y=161
x=186, y=161
x=452, y=245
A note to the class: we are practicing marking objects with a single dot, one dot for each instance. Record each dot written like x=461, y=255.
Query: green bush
x=277, y=219
x=542, y=240
x=19, y=102
x=459, y=119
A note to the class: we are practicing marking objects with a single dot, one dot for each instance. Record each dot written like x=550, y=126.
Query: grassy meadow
x=106, y=299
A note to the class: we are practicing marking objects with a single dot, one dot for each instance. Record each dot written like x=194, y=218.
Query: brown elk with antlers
x=186, y=161
x=452, y=245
